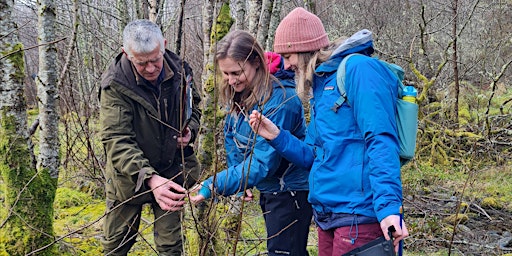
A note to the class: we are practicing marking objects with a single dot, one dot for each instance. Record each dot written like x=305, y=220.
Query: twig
x=482, y=211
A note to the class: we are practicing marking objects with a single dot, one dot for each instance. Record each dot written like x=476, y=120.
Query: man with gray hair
x=149, y=117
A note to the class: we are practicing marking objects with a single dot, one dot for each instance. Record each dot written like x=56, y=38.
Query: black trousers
x=287, y=218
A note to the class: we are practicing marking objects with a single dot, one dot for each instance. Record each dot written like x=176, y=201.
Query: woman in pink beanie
x=351, y=148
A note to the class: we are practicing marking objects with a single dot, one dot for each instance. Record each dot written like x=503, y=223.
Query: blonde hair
x=307, y=63
x=241, y=46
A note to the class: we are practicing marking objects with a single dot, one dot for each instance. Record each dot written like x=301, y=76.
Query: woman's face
x=291, y=61
x=238, y=74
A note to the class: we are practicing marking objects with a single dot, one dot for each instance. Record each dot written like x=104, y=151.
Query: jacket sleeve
x=372, y=92
x=294, y=150
x=118, y=137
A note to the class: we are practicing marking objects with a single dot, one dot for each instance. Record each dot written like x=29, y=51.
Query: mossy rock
x=491, y=202
x=459, y=218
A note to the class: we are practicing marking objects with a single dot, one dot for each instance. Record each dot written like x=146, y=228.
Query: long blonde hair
x=241, y=46
x=307, y=63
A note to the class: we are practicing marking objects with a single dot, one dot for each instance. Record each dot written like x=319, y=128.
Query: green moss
x=223, y=23
x=67, y=197
x=491, y=202
x=29, y=195
x=15, y=55
x=456, y=218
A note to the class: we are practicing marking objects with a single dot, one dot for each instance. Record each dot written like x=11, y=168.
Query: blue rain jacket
x=352, y=152
x=265, y=169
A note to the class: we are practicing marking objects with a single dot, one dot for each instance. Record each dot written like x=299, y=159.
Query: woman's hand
x=198, y=198
x=263, y=126
x=400, y=229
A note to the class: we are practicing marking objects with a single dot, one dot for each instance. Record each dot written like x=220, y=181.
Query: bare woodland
x=458, y=54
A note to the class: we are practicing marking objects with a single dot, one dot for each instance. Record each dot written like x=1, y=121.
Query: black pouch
x=377, y=247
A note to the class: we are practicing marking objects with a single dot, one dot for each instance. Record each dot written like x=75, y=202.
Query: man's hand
x=168, y=194
x=399, y=234
x=184, y=140
x=263, y=126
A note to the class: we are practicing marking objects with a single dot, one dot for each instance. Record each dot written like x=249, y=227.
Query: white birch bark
x=239, y=10
x=264, y=21
x=254, y=15
x=47, y=91
x=274, y=22
x=12, y=103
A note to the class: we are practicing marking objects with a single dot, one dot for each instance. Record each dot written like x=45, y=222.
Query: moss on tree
x=29, y=194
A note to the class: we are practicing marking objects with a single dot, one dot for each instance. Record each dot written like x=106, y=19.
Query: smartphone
x=187, y=122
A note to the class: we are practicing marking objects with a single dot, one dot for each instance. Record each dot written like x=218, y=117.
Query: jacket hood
x=361, y=41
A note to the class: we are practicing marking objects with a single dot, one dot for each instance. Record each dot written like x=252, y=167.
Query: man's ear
x=122, y=48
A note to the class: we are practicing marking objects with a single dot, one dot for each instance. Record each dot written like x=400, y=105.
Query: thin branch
x=32, y=47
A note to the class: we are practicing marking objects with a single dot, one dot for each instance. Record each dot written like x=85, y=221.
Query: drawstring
x=353, y=239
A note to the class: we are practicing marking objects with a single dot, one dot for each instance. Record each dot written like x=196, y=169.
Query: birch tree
x=264, y=21
x=275, y=18
x=254, y=16
x=28, y=206
x=239, y=9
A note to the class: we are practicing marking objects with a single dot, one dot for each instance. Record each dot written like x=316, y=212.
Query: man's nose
x=150, y=67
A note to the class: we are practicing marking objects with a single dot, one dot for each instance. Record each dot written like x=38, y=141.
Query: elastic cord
x=353, y=239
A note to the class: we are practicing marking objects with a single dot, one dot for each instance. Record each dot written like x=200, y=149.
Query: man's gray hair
x=142, y=36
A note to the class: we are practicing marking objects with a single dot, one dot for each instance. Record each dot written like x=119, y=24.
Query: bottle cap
x=410, y=91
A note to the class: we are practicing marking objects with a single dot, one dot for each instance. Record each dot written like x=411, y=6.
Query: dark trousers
x=287, y=218
x=121, y=227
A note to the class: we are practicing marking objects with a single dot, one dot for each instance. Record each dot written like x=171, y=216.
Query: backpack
x=407, y=112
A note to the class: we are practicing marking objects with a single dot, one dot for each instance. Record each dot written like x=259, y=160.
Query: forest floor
x=431, y=199
x=480, y=231
x=484, y=222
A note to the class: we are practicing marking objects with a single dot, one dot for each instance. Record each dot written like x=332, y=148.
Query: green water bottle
x=409, y=94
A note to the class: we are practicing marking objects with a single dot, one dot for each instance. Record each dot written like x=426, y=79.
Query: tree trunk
x=179, y=35
x=239, y=7
x=27, y=212
x=456, y=89
x=275, y=18
x=264, y=21
x=254, y=16
x=48, y=159
x=214, y=30
x=122, y=9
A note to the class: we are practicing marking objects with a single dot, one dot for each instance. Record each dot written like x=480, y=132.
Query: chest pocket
x=243, y=136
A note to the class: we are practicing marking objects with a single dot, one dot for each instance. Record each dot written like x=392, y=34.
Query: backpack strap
x=340, y=81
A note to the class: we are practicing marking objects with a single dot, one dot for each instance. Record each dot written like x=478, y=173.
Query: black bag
x=377, y=247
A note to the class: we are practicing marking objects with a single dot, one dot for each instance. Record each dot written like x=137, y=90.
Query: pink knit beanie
x=300, y=31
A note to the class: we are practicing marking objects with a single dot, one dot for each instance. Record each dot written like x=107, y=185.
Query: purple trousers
x=336, y=242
